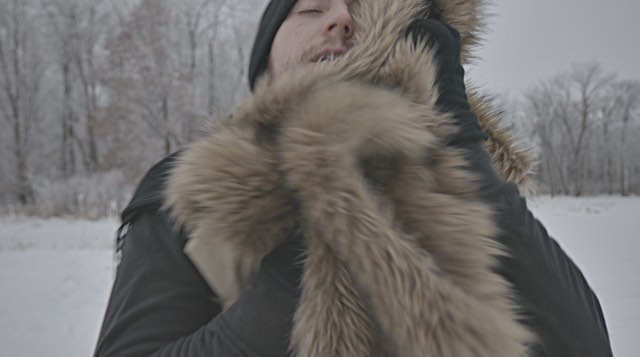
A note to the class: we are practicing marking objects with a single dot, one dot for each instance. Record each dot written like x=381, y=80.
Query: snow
x=55, y=278
x=56, y=274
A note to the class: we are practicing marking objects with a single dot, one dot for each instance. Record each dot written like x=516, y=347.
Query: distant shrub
x=92, y=196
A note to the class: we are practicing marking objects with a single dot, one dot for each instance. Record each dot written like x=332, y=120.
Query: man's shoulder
x=150, y=191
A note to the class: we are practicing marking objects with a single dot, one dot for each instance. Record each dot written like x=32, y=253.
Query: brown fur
x=400, y=253
x=512, y=159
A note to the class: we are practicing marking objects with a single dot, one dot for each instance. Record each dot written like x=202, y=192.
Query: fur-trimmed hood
x=400, y=253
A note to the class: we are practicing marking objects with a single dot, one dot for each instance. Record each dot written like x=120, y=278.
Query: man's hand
x=453, y=98
x=446, y=41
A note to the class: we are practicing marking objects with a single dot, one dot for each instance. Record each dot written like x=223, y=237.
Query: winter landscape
x=93, y=92
x=56, y=274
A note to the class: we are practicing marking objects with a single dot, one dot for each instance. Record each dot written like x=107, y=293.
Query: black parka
x=161, y=306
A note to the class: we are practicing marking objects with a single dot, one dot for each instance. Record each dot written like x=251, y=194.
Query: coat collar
x=400, y=261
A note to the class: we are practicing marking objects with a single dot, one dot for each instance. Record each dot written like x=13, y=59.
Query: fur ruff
x=400, y=253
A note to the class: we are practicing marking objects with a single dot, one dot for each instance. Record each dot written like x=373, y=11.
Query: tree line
x=93, y=92
x=583, y=124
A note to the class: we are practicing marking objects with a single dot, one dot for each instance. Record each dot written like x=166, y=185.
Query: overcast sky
x=532, y=40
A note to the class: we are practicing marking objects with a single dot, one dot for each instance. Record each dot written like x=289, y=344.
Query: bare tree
x=63, y=18
x=606, y=117
x=146, y=56
x=164, y=52
x=587, y=83
x=567, y=107
x=77, y=27
x=546, y=109
x=627, y=99
x=20, y=72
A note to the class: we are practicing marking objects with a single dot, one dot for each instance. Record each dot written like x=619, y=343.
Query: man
x=162, y=304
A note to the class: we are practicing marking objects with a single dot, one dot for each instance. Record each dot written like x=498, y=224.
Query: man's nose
x=341, y=22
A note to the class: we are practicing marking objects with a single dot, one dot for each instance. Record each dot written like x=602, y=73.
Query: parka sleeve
x=161, y=306
x=556, y=300
x=157, y=295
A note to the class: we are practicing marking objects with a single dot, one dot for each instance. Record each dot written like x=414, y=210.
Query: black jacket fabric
x=161, y=306
x=557, y=301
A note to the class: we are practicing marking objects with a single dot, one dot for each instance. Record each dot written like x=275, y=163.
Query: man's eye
x=310, y=11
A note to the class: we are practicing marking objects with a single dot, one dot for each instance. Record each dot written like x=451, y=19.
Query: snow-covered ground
x=55, y=275
x=55, y=278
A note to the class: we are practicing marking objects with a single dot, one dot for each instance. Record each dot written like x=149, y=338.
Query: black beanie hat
x=272, y=18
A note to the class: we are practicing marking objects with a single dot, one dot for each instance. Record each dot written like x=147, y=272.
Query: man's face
x=314, y=30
